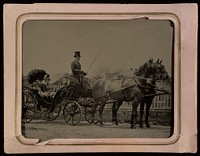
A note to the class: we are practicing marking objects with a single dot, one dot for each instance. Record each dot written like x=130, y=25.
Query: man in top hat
x=76, y=67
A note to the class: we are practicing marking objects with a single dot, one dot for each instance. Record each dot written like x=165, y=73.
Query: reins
x=148, y=95
x=157, y=89
x=143, y=78
x=138, y=77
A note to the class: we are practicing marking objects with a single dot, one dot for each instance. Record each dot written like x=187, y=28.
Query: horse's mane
x=139, y=71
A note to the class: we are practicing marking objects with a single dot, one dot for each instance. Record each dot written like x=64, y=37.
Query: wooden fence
x=160, y=111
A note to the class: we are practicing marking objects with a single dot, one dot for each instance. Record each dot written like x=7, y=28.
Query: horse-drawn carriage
x=31, y=100
x=134, y=89
x=49, y=109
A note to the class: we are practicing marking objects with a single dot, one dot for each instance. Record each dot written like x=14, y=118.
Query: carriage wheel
x=50, y=115
x=72, y=113
x=88, y=115
x=28, y=108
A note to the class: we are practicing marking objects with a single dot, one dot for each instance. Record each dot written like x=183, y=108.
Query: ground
x=46, y=130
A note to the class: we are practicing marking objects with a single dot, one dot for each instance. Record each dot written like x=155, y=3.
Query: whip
x=95, y=58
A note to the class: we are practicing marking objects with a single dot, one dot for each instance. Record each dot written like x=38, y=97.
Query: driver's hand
x=84, y=73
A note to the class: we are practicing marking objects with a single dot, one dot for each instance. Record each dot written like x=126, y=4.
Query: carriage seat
x=46, y=97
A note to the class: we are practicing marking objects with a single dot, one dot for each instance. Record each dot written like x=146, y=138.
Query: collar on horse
x=135, y=77
x=150, y=83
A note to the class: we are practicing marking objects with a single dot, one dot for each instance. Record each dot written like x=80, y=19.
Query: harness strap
x=139, y=85
x=157, y=94
x=123, y=97
x=124, y=88
x=140, y=77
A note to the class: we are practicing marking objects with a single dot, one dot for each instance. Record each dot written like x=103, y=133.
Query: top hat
x=77, y=54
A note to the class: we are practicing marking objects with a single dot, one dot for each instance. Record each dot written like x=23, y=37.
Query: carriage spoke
x=45, y=113
x=65, y=115
x=66, y=112
x=72, y=120
x=26, y=99
x=28, y=107
x=72, y=113
x=77, y=112
x=90, y=117
x=69, y=119
x=49, y=115
x=28, y=116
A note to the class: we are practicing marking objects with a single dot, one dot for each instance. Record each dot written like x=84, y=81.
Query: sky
x=50, y=45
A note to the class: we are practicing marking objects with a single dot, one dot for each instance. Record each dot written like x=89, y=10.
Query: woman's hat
x=77, y=54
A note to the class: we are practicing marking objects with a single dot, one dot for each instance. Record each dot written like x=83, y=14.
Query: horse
x=132, y=89
x=149, y=99
x=146, y=100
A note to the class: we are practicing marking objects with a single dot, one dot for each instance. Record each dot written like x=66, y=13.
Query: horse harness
x=124, y=88
x=139, y=85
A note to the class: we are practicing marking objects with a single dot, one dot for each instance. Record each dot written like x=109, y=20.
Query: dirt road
x=46, y=130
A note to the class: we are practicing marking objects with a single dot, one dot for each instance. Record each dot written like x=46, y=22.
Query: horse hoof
x=148, y=126
x=102, y=125
x=141, y=126
x=93, y=125
x=113, y=123
x=133, y=127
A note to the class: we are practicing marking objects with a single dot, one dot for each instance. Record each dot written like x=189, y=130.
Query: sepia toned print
x=97, y=79
x=100, y=78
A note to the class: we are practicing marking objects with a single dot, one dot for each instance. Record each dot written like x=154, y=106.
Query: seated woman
x=47, y=89
x=36, y=85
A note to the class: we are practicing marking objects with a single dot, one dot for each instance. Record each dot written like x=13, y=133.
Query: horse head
x=156, y=70
x=150, y=69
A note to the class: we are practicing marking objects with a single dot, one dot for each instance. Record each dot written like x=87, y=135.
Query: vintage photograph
x=97, y=79
x=100, y=78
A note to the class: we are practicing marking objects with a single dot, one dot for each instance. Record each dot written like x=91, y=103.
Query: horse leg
x=132, y=123
x=133, y=115
x=141, y=112
x=93, y=108
x=114, y=118
x=101, y=108
x=118, y=106
x=148, y=106
x=115, y=108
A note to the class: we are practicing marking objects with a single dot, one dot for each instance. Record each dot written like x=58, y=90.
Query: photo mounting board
x=184, y=18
